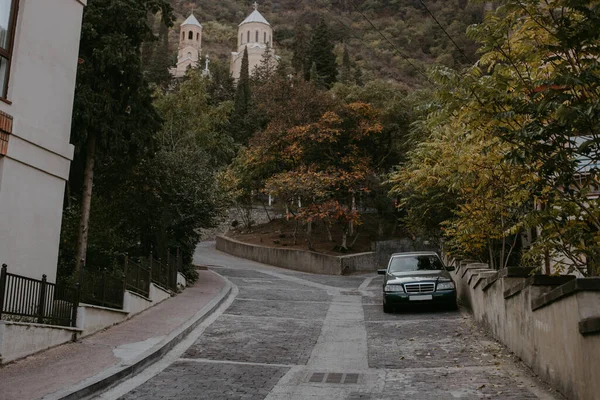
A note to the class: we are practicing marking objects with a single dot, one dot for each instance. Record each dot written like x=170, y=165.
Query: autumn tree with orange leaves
x=324, y=164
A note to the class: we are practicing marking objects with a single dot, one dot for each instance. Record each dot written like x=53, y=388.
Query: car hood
x=417, y=276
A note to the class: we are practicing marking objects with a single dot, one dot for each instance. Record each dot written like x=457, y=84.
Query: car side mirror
x=450, y=268
x=382, y=271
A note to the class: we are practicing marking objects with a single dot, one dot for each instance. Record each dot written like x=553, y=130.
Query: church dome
x=191, y=20
x=255, y=16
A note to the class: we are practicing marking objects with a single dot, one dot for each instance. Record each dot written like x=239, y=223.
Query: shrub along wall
x=551, y=322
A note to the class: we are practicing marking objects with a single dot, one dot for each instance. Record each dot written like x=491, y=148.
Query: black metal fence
x=163, y=273
x=25, y=299
x=101, y=288
x=137, y=277
x=30, y=300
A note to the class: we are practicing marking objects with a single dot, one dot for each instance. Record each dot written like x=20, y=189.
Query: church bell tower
x=190, y=46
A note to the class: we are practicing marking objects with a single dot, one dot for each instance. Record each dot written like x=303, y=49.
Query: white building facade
x=190, y=46
x=255, y=34
x=39, y=45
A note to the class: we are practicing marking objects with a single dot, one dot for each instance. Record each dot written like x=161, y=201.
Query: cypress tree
x=321, y=53
x=242, y=95
x=314, y=75
x=300, y=48
x=242, y=103
x=160, y=60
x=346, y=69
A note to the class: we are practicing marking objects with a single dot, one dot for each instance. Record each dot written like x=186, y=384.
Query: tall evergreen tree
x=314, y=75
x=300, y=49
x=113, y=109
x=346, y=69
x=161, y=60
x=242, y=95
x=242, y=101
x=267, y=67
x=321, y=53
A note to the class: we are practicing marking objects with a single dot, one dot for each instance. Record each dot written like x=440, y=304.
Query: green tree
x=300, y=48
x=157, y=69
x=322, y=55
x=242, y=102
x=267, y=66
x=346, y=68
x=113, y=109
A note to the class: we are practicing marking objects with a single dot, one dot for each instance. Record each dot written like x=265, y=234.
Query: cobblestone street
x=292, y=336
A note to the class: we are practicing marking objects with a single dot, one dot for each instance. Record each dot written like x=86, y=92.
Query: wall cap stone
x=36, y=325
x=516, y=272
x=568, y=289
x=589, y=326
x=139, y=295
x=538, y=280
x=116, y=310
x=483, y=276
x=473, y=266
x=489, y=281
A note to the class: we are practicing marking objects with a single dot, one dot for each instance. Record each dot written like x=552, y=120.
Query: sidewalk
x=103, y=358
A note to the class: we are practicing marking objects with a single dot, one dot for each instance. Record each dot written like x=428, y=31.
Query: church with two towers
x=254, y=34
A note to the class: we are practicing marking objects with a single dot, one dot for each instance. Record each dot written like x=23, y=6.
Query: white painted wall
x=134, y=303
x=18, y=339
x=92, y=318
x=34, y=171
x=181, y=282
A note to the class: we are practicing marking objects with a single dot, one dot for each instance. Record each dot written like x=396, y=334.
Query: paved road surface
x=294, y=336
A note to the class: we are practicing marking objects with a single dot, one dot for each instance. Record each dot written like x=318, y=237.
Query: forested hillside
x=405, y=22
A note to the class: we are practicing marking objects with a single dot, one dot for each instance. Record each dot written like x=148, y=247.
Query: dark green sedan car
x=417, y=278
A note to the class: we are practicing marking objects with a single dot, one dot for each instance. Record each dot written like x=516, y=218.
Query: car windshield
x=416, y=263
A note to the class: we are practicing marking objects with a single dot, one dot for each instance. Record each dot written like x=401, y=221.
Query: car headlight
x=394, y=288
x=445, y=285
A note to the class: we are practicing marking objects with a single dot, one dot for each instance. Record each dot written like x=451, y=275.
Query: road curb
x=100, y=382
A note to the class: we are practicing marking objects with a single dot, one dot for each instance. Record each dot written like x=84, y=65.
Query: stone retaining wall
x=551, y=323
x=299, y=260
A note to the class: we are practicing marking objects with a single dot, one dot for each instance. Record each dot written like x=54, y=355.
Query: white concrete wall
x=158, y=294
x=92, y=319
x=181, y=282
x=34, y=171
x=18, y=339
x=134, y=303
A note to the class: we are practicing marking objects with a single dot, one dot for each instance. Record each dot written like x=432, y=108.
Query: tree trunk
x=351, y=224
x=296, y=233
x=309, y=240
x=491, y=254
x=355, y=237
x=86, y=203
x=265, y=207
x=329, y=237
x=344, y=240
x=547, y=270
x=501, y=263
